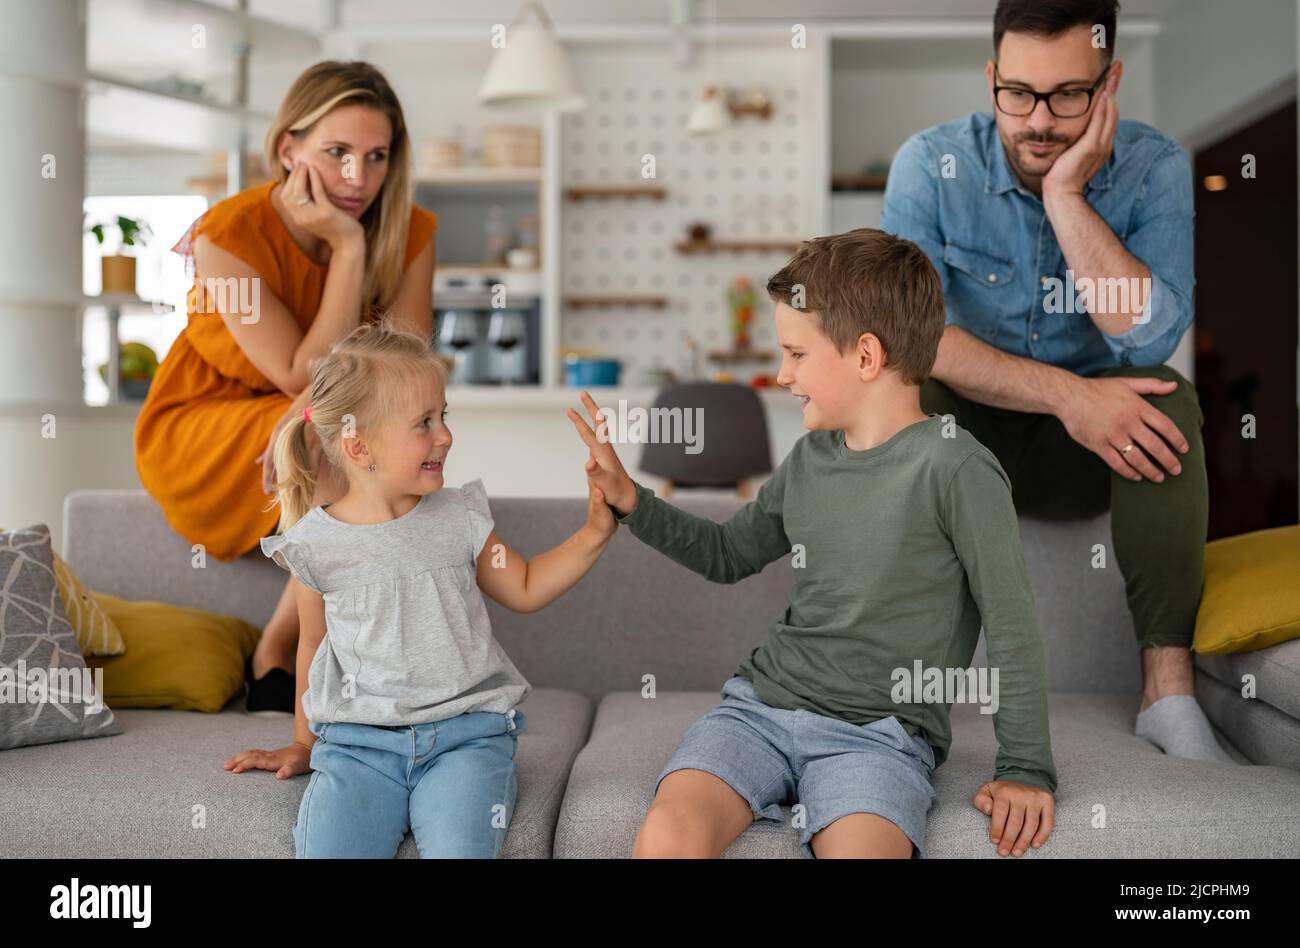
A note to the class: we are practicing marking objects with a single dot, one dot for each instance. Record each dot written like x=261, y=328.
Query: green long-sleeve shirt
x=898, y=552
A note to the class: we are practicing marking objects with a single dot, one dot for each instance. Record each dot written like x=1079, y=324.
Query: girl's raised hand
x=599, y=518
x=607, y=471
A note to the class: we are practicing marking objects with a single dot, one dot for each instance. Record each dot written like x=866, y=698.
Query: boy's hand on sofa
x=604, y=468
x=1022, y=815
x=286, y=762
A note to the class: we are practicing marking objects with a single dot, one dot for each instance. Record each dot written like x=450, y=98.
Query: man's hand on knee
x=1110, y=417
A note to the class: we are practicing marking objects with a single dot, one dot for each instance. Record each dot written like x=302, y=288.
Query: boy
x=904, y=540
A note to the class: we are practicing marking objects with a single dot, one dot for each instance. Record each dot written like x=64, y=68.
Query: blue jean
x=451, y=782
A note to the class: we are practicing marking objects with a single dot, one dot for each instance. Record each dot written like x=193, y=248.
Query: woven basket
x=440, y=154
x=512, y=146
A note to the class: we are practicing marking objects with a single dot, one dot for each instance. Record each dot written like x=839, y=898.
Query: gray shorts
x=833, y=768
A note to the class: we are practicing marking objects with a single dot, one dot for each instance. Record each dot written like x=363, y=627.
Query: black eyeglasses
x=1064, y=103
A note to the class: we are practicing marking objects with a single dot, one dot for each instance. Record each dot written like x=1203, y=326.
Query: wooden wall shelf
x=595, y=302
x=723, y=246
x=651, y=192
x=481, y=269
x=741, y=355
x=858, y=182
x=477, y=175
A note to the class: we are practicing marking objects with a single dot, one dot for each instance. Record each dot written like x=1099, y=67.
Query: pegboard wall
x=756, y=180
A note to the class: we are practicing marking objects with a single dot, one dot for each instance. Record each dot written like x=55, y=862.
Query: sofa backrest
x=636, y=613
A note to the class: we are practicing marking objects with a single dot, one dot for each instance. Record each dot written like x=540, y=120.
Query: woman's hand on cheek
x=319, y=214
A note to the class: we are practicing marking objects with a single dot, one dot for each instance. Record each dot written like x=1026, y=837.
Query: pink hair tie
x=306, y=413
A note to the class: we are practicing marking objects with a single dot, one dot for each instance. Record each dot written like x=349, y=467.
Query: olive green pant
x=1158, y=530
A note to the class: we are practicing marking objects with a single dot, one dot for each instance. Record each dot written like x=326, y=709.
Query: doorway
x=1246, y=324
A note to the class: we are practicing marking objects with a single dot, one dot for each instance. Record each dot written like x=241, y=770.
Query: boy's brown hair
x=866, y=280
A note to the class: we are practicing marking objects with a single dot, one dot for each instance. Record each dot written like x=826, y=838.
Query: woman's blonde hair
x=364, y=379
x=319, y=90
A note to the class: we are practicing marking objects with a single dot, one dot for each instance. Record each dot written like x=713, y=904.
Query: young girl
x=406, y=709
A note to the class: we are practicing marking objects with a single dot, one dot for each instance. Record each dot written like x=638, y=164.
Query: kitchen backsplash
x=756, y=180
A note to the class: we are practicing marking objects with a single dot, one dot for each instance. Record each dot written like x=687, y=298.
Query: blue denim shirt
x=997, y=255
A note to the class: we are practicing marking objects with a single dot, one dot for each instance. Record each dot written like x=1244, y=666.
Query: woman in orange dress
x=281, y=272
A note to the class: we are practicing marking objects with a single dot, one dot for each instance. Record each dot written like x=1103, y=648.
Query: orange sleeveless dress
x=209, y=411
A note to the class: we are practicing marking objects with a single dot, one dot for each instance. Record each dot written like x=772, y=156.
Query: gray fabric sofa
x=593, y=745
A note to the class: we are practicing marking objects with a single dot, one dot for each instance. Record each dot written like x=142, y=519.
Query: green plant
x=134, y=233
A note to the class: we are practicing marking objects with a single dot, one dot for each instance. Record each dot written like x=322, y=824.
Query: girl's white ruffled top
x=407, y=635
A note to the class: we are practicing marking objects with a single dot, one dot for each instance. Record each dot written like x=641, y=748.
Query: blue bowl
x=583, y=372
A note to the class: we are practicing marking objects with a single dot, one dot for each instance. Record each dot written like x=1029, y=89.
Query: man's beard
x=1012, y=149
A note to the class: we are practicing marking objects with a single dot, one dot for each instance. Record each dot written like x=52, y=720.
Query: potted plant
x=118, y=270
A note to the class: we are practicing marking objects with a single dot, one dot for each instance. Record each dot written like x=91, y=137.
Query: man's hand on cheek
x=1078, y=163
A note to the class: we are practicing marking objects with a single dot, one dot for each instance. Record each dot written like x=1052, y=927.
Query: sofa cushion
x=1251, y=599
x=96, y=633
x=46, y=692
x=1261, y=731
x=1154, y=805
x=186, y=659
x=1276, y=674
x=159, y=790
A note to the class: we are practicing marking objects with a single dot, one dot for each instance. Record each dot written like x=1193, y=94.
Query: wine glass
x=505, y=331
x=457, y=334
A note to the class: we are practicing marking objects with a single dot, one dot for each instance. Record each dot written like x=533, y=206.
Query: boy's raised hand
x=604, y=469
x=1021, y=815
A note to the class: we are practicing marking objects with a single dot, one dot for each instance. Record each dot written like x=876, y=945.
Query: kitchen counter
x=461, y=396
x=540, y=397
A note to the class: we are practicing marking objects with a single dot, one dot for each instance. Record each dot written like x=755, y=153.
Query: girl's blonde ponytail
x=296, y=486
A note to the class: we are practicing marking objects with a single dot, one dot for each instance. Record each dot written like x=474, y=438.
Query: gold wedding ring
x=304, y=201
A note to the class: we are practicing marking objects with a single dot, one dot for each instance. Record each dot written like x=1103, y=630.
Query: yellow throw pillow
x=96, y=633
x=1251, y=597
x=175, y=657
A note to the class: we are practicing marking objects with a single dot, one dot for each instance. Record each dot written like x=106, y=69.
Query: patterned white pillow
x=46, y=692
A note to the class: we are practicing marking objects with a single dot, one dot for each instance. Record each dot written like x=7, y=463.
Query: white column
x=42, y=62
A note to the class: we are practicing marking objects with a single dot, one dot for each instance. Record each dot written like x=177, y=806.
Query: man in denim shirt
x=1063, y=237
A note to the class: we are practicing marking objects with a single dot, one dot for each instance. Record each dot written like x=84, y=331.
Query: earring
x=372, y=465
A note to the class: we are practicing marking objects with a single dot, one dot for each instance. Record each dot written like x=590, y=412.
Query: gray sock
x=1177, y=725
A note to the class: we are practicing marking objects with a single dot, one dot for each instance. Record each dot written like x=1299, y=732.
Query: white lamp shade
x=709, y=115
x=532, y=70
